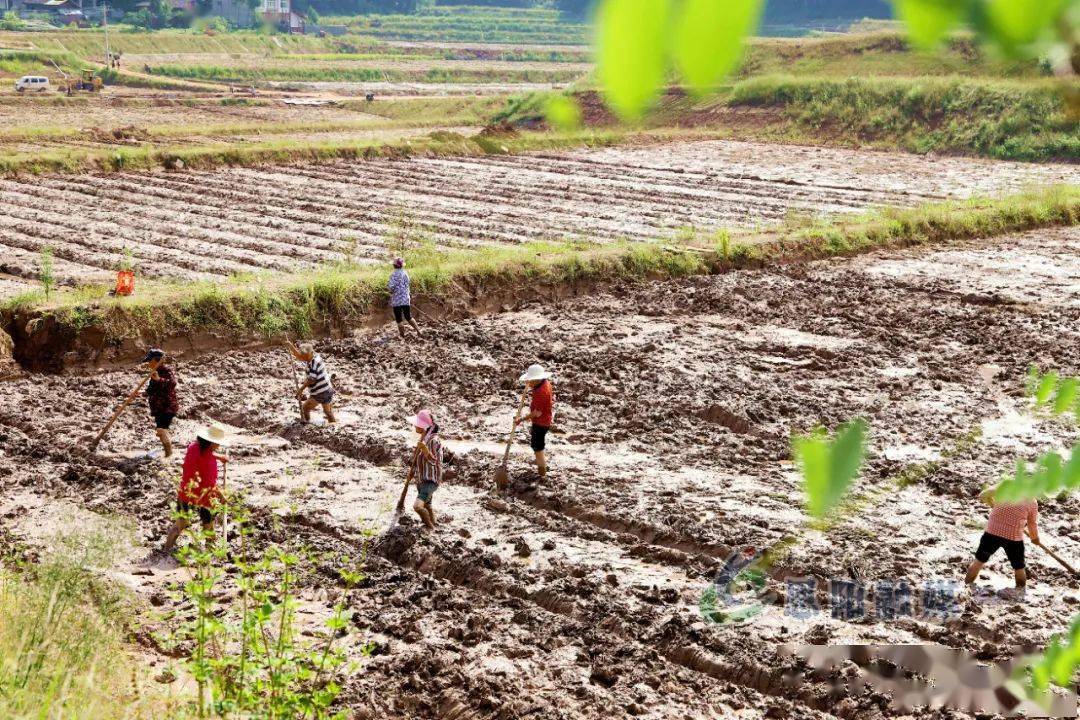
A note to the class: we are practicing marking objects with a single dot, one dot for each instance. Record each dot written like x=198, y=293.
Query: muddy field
x=577, y=597
x=192, y=225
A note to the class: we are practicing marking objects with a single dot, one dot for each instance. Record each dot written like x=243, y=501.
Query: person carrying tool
x=1005, y=529
x=401, y=298
x=320, y=390
x=198, y=491
x=161, y=396
x=541, y=412
x=427, y=466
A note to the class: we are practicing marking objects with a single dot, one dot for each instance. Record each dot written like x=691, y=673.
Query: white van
x=32, y=82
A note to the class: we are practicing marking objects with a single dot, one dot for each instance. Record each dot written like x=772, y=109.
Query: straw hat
x=535, y=372
x=423, y=419
x=306, y=348
x=214, y=433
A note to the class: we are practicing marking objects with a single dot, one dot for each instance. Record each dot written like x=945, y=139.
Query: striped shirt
x=428, y=469
x=1008, y=520
x=319, y=377
x=399, y=288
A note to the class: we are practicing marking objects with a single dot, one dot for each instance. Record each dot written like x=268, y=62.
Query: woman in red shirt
x=198, y=490
x=541, y=412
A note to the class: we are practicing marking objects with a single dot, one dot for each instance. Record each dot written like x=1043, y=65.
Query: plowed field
x=577, y=596
x=190, y=225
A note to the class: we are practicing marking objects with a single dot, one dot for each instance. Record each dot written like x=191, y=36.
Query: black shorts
x=162, y=421
x=324, y=398
x=989, y=544
x=403, y=312
x=205, y=515
x=538, y=438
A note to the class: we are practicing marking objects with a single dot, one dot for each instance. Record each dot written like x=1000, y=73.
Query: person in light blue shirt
x=401, y=298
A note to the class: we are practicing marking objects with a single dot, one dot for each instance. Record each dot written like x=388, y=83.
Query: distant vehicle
x=32, y=82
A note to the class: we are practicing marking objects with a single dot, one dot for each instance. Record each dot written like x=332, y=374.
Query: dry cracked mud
x=213, y=224
x=577, y=596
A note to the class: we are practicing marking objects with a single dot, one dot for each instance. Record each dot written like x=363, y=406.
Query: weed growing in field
x=247, y=655
x=61, y=637
x=46, y=272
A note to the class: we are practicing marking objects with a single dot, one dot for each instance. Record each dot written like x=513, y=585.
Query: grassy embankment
x=388, y=114
x=269, y=305
x=1031, y=120
x=538, y=26
x=1015, y=120
x=62, y=649
x=292, y=150
x=296, y=72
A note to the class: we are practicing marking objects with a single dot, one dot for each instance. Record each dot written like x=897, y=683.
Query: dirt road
x=200, y=225
x=578, y=597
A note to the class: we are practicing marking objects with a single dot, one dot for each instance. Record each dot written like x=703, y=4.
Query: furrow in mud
x=580, y=595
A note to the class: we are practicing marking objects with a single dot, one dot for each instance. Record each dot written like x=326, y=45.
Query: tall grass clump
x=61, y=642
x=997, y=118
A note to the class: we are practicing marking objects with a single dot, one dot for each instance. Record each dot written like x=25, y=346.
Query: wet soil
x=212, y=224
x=577, y=596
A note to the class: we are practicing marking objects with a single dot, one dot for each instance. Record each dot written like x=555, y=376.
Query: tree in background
x=159, y=15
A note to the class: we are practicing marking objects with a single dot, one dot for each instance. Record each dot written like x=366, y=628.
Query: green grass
x=272, y=304
x=296, y=72
x=62, y=653
x=285, y=151
x=1017, y=120
x=878, y=54
x=471, y=24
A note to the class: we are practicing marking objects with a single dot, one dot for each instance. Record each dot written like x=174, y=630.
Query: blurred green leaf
x=562, y=113
x=709, y=36
x=1045, y=389
x=929, y=21
x=1066, y=395
x=631, y=52
x=1020, y=22
x=830, y=467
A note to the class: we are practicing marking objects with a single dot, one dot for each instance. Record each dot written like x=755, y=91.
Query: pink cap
x=423, y=419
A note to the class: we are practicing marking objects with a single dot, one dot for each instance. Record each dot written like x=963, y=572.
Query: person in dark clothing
x=161, y=396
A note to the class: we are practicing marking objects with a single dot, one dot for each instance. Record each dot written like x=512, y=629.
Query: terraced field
x=191, y=225
x=578, y=596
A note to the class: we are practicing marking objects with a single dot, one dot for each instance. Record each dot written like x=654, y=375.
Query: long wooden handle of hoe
x=510, y=436
x=225, y=513
x=1057, y=557
x=1054, y=555
x=409, y=477
x=127, y=401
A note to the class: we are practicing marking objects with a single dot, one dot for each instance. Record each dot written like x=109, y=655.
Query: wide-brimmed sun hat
x=399, y=262
x=306, y=349
x=423, y=419
x=153, y=354
x=535, y=372
x=214, y=433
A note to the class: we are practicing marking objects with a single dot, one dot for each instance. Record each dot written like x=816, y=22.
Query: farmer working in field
x=427, y=465
x=1005, y=529
x=401, y=298
x=198, y=485
x=317, y=384
x=541, y=412
x=161, y=396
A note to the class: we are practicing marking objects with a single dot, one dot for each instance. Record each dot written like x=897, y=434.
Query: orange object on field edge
x=125, y=282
